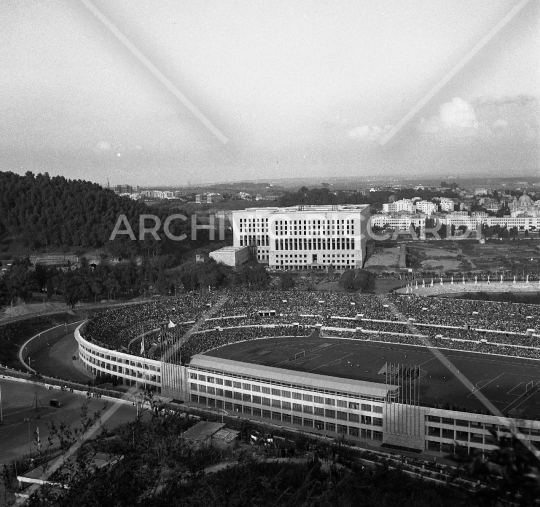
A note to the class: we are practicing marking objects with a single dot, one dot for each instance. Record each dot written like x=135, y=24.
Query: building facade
x=353, y=410
x=304, y=237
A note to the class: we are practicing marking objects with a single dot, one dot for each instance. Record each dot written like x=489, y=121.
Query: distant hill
x=40, y=211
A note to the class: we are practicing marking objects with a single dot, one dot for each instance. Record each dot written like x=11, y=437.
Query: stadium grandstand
x=352, y=366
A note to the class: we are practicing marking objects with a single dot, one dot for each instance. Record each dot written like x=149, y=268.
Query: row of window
x=305, y=422
x=315, y=244
x=477, y=425
x=277, y=392
x=241, y=383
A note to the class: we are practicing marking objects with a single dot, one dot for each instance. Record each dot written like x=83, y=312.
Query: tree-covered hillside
x=45, y=211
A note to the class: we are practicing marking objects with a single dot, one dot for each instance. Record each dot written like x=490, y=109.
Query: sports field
x=502, y=380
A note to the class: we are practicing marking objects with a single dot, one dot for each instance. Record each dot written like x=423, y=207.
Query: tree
x=287, y=281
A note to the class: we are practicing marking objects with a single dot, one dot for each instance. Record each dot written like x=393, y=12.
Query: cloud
x=102, y=147
x=369, y=132
x=500, y=124
x=455, y=119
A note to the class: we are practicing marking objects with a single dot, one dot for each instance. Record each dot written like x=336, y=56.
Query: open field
x=501, y=379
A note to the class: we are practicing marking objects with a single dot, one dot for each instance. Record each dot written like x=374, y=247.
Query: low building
x=233, y=256
x=200, y=435
x=225, y=439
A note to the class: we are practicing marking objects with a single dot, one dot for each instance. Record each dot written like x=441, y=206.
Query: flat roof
x=202, y=430
x=229, y=249
x=311, y=380
x=307, y=209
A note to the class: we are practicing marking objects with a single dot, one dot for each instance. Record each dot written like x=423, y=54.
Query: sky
x=289, y=89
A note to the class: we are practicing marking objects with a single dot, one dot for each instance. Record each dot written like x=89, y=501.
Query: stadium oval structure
x=182, y=349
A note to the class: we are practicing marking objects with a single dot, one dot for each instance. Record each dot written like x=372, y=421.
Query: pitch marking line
x=487, y=382
x=332, y=363
x=516, y=387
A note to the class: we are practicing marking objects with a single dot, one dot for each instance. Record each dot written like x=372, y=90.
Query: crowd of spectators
x=204, y=321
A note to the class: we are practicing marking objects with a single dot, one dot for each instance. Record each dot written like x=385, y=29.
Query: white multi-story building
x=427, y=207
x=401, y=221
x=397, y=206
x=447, y=205
x=304, y=237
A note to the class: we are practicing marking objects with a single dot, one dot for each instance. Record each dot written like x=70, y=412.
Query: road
x=21, y=417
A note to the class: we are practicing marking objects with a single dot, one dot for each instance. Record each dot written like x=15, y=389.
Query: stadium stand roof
x=311, y=380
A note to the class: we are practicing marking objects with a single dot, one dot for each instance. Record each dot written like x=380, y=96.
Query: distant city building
x=447, y=204
x=123, y=189
x=397, y=206
x=208, y=198
x=304, y=237
x=427, y=207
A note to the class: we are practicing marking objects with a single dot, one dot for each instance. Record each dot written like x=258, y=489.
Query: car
x=55, y=403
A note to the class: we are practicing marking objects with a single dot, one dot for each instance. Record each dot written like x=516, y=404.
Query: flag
x=171, y=324
x=142, y=345
x=38, y=439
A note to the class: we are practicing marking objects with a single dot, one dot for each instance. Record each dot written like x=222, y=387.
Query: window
x=365, y=419
x=219, y=381
x=354, y=432
x=266, y=390
x=228, y=394
x=318, y=399
x=342, y=415
x=202, y=377
x=307, y=397
x=246, y=397
x=228, y=383
x=462, y=422
x=308, y=409
x=202, y=388
x=330, y=401
x=194, y=398
x=202, y=400
x=297, y=396
x=276, y=416
x=330, y=427
x=377, y=421
x=257, y=389
x=377, y=435
x=211, y=390
x=246, y=387
x=286, y=405
x=257, y=412
x=308, y=423
x=237, y=385
x=432, y=418
x=366, y=408
x=342, y=429
x=276, y=392
x=193, y=375
x=297, y=420
x=446, y=420
x=219, y=392
x=193, y=386
x=342, y=403
x=297, y=407
x=286, y=394
x=210, y=380
x=354, y=406
x=237, y=395
x=365, y=433
x=257, y=399
x=354, y=418
x=267, y=414
x=276, y=403
x=330, y=413
x=377, y=410
x=286, y=418
x=266, y=401
x=228, y=405
x=247, y=410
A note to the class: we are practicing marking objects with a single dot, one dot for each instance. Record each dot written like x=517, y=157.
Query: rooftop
x=308, y=379
x=203, y=430
x=308, y=209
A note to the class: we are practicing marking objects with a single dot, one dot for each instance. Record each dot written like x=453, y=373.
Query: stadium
x=400, y=371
